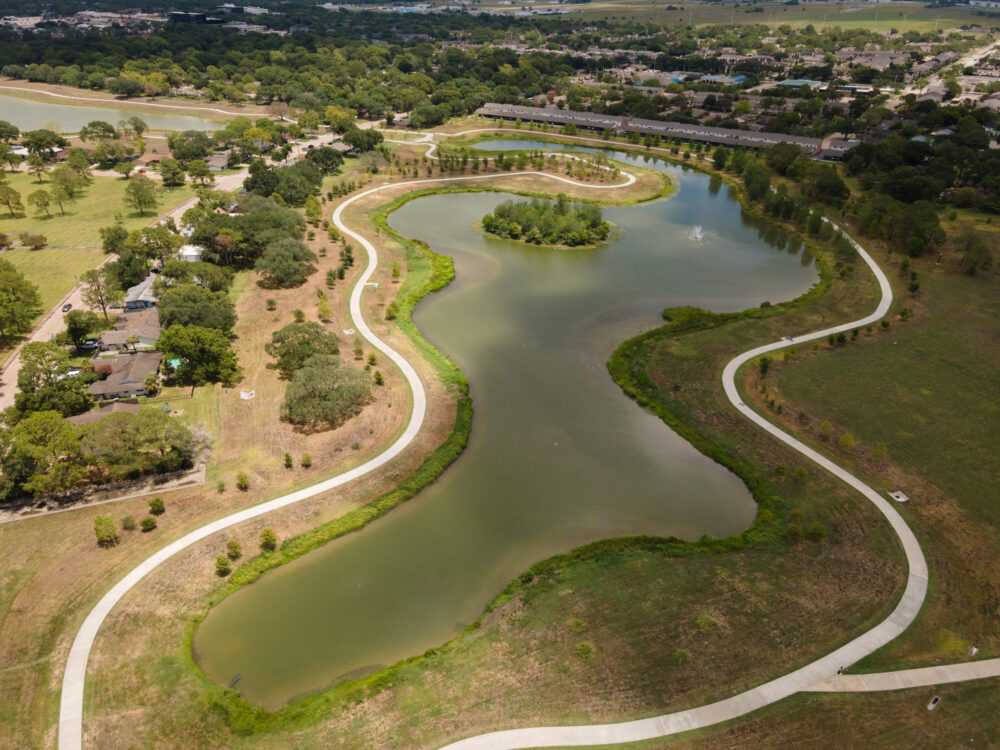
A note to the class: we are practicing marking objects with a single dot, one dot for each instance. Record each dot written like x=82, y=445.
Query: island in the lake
x=542, y=222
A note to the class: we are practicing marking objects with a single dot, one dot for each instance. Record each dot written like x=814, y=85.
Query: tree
x=156, y=506
x=223, y=566
x=38, y=166
x=190, y=304
x=781, y=156
x=847, y=442
x=199, y=172
x=285, y=263
x=362, y=140
x=138, y=126
x=8, y=156
x=292, y=345
x=147, y=524
x=171, y=173
x=79, y=162
x=59, y=196
x=114, y=238
x=189, y=145
x=323, y=393
x=268, y=539
x=8, y=132
x=125, y=87
x=41, y=200
x=100, y=289
x=313, y=209
x=44, y=382
x=98, y=130
x=141, y=194
x=233, y=549
x=43, y=142
x=80, y=324
x=242, y=481
x=327, y=160
x=12, y=199
x=719, y=157
x=205, y=354
x=125, y=168
x=20, y=302
x=339, y=119
x=42, y=453
x=106, y=531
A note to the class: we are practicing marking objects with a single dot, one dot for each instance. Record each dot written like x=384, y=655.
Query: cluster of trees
x=20, y=302
x=44, y=453
x=292, y=184
x=550, y=223
x=264, y=234
x=323, y=392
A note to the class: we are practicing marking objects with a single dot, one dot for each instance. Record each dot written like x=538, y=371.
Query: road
x=74, y=677
x=52, y=323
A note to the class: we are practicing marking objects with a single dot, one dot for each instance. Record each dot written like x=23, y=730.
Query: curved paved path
x=799, y=680
x=909, y=678
x=71, y=700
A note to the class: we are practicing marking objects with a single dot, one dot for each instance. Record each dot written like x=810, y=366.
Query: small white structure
x=190, y=253
x=899, y=497
x=247, y=395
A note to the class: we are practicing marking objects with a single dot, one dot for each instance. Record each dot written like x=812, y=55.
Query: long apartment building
x=680, y=131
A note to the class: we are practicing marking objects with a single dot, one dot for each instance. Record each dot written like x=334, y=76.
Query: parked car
x=89, y=344
x=67, y=307
x=116, y=306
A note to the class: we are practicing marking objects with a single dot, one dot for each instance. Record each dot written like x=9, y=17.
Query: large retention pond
x=30, y=114
x=558, y=455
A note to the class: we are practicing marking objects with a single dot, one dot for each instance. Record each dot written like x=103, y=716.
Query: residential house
x=141, y=295
x=127, y=377
x=134, y=330
x=190, y=253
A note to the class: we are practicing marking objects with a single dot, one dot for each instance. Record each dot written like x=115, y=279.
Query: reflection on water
x=29, y=114
x=557, y=457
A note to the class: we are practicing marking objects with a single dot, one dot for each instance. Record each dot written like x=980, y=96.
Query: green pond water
x=558, y=455
x=29, y=114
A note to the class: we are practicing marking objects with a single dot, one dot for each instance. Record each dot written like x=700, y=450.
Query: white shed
x=190, y=253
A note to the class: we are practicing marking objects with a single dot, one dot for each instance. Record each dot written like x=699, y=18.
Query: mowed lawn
x=54, y=270
x=97, y=206
x=928, y=390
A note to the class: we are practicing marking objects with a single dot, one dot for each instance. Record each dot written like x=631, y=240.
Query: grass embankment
x=54, y=270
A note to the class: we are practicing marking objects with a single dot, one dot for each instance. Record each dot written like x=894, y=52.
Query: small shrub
x=576, y=625
x=706, y=624
x=780, y=471
x=847, y=442
x=793, y=532
x=584, y=649
x=128, y=523
x=105, y=531
x=242, y=481
x=156, y=506
x=816, y=532
x=220, y=486
x=680, y=656
x=395, y=271
x=371, y=359
x=379, y=380
x=800, y=474
x=288, y=461
x=880, y=452
x=359, y=353
x=825, y=430
x=222, y=566
x=307, y=460
x=233, y=549
x=392, y=311
x=271, y=305
x=764, y=364
x=298, y=315
x=268, y=539
x=147, y=524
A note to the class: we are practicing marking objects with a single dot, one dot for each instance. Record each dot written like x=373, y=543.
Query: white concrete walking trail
x=819, y=675
x=71, y=700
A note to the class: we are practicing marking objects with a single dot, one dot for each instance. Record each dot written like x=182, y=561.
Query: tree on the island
x=41, y=200
x=141, y=194
x=205, y=354
x=11, y=199
x=171, y=173
x=292, y=345
x=100, y=289
x=20, y=302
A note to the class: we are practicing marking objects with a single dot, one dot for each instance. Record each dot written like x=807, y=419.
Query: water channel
x=31, y=114
x=558, y=455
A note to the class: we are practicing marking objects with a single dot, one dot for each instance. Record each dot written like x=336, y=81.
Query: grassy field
x=900, y=16
x=54, y=270
x=99, y=205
